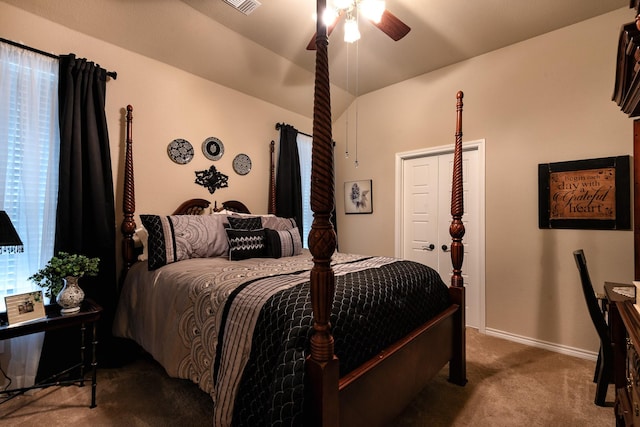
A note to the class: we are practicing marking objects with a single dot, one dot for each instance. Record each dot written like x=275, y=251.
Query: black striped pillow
x=282, y=243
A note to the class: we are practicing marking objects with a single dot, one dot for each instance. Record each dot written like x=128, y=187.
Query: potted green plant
x=62, y=266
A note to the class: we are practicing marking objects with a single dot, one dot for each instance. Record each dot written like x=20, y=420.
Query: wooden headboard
x=192, y=207
x=199, y=206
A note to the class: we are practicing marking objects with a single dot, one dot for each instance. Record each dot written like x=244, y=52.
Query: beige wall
x=168, y=103
x=543, y=100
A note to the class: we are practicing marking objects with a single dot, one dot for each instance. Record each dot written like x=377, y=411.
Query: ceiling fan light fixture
x=351, y=31
x=372, y=9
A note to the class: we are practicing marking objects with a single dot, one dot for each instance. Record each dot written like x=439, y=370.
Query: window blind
x=29, y=158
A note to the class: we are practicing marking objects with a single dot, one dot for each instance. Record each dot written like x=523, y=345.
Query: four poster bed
x=256, y=328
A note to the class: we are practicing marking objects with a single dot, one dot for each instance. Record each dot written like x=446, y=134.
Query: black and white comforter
x=240, y=330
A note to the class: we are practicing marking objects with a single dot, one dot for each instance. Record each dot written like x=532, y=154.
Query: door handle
x=446, y=248
x=429, y=247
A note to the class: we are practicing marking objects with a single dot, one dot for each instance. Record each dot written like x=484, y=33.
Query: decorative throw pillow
x=250, y=223
x=278, y=223
x=245, y=244
x=283, y=243
x=177, y=237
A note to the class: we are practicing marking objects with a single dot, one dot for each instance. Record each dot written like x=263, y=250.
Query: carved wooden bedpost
x=128, y=226
x=456, y=230
x=322, y=364
x=457, y=366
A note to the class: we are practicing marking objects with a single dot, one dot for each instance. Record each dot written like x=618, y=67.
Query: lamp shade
x=9, y=240
x=351, y=31
x=373, y=9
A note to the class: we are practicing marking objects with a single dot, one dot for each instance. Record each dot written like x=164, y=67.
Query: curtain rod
x=112, y=74
x=279, y=125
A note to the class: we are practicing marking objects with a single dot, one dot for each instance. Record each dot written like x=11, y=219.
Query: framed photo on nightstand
x=25, y=307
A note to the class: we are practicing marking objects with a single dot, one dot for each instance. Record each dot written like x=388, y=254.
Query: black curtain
x=85, y=221
x=288, y=181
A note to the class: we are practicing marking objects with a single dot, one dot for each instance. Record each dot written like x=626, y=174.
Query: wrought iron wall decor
x=211, y=179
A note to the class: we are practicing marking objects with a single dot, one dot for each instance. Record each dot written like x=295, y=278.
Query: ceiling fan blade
x=392, y=26
x=312, y=42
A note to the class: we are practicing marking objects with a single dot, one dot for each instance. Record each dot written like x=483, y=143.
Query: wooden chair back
x=595, y=312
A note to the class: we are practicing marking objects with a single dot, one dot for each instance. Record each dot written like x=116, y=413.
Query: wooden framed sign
x=585, y=194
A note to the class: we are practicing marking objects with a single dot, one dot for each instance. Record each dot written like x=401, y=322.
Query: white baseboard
x=558, y=348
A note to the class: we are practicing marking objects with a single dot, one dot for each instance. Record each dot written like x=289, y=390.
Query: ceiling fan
x=374, y=10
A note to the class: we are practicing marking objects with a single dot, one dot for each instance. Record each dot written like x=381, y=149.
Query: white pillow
x=141, y=238
x=234, y=213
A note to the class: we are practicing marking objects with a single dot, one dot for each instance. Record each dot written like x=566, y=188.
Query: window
x=305, y=144
x=29, y=158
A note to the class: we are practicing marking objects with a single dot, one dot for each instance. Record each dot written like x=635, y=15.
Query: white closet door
x=426, y=208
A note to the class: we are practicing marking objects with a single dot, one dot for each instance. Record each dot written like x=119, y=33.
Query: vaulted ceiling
x=264, y=54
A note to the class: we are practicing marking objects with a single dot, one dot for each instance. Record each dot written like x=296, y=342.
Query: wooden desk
x=89, y=314
x=624, y=329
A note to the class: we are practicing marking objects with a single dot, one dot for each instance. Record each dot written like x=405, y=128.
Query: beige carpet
x=509, y=385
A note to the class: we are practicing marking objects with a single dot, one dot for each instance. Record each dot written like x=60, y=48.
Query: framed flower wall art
x=358, y=197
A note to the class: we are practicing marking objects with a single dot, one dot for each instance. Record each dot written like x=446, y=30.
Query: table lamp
x=9, y=240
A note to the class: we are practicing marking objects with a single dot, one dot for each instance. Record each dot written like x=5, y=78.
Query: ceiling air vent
x=244, y=6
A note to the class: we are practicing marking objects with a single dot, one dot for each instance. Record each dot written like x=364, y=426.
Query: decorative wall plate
x=212, y=148
x=242, y=164
x=180, y=151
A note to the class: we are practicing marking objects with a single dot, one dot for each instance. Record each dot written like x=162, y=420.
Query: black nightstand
x=89, y=314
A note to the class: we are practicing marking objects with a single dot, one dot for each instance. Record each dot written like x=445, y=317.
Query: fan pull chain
x=346, y=150
x=357, y=91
